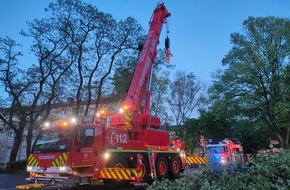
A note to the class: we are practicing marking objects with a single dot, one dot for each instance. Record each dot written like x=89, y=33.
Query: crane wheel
x=145, y=170
x=162, y=168
x=174, y=167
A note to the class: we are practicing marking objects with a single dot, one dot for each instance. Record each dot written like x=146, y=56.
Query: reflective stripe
x=141, y=151
x=60, y=161
x=81, y=166
x=128, y=120
x=114, y=175
x=108, y=174
x=32, y=161
x=120, y=173
x=195, y=160
x=126, y=176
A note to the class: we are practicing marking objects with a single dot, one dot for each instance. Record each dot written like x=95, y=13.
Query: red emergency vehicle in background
x=225, y=151
x=108, y=149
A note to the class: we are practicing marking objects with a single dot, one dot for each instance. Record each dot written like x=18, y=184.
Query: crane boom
x=142, y=72
x=71, y=152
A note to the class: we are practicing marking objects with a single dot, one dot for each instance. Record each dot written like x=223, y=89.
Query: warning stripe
x=128, y=120
x=120, y=173
x=60, y=161
x=32, y=161
x=195, y=160
x=82, y=166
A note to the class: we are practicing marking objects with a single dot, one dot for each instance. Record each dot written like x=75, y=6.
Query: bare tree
x=185, y=96
x=13, y=113
x=97, y=40
x=124, y=38
x=66, y=46
x=51, y=50
x=158, y=96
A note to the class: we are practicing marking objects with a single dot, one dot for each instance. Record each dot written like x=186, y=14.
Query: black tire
x=161, y=168
x=146, y=177
x=174, y=167
x=117, y=163
x=145, y=171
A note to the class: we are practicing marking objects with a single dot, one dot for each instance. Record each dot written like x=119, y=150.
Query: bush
x=271, y=171
x=16, y=166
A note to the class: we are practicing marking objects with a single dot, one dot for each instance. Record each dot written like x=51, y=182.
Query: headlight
x=47, y=125
x=106, y=156
x=223, y=161
x=73, y=120
x=182, y=154
x=29, y=168
x=62, y=168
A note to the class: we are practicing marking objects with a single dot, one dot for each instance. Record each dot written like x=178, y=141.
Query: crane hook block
x=167, y=55
x=167, y=43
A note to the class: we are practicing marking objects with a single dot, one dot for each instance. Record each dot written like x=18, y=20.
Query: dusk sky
x=199, y=30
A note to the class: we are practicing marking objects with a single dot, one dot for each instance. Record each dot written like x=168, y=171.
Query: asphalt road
x=10, y=181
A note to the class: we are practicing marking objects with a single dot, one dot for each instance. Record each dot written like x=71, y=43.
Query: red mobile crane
x=127, y=146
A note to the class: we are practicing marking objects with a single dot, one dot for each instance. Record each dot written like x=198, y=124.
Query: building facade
x=6, y=144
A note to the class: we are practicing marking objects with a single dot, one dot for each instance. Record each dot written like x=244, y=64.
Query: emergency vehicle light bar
x=60, y=123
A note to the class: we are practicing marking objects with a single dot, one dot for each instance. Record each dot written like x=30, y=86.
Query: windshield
x=53, y=140
x=217, y=149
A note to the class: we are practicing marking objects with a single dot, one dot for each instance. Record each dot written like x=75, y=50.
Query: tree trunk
x=16, y=146
x=184, y=132
x=17, y=139
x=29, y=139
x=281, y=140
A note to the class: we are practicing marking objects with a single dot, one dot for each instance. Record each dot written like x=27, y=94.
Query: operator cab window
x=85, y=136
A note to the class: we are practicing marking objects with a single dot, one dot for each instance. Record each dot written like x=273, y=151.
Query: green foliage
x=264, y=172
x=122, y=76
x=253, y=134
x=254, y=84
